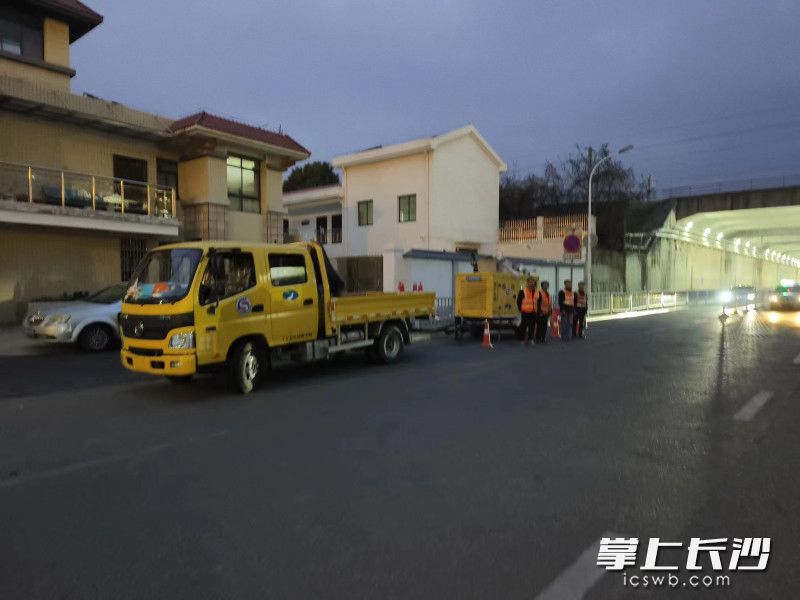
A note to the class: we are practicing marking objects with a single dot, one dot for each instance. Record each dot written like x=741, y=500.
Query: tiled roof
x=80, y=18
x=204, y=119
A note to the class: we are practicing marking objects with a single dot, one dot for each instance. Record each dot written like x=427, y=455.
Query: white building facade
x=418, y=211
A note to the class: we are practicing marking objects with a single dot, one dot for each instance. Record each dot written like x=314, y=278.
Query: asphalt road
x=458, y=473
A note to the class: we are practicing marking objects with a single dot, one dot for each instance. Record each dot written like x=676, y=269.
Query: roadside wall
x=675, y=265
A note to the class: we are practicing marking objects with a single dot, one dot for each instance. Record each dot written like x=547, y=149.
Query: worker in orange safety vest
x=527, y=310
x=581, y=308
x=544, y=307
x=566, y=304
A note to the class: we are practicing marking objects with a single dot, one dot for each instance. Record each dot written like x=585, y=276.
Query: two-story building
x=408, y=213
x=88, y=185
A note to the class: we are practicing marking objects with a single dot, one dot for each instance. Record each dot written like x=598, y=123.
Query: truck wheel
x=95, y=338
x=389, y=344
x=245, y=367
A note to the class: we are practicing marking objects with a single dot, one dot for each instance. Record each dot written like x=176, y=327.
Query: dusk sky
x=706, y=91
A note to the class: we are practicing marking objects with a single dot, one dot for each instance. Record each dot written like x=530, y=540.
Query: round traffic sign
x=572, y=243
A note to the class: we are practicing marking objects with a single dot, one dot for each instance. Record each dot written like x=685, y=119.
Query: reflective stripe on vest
x=581, y=303
x=569, y=298
x=527, y=302
x=546, y=308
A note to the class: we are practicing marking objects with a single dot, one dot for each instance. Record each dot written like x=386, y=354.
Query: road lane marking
x=107, y=460
x=796, y=360
x=752, y=406
x=579, y=577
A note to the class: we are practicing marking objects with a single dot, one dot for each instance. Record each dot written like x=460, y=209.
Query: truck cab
x=205, y=306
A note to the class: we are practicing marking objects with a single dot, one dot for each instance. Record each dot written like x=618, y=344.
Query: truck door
x=230, y=304
x=292, y=296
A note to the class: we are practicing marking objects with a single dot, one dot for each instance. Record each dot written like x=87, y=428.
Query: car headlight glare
x=58, y=319
x=773, y=298
x=726, y=296
x=182, y=341
x=751, y=296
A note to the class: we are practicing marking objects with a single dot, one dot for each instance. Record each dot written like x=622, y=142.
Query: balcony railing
x=541, y=228
x=41, y=185
x=518, y=229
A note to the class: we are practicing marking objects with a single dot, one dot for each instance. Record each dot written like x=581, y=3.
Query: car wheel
x=389, y=344
x=245, y=367
x=96, y=338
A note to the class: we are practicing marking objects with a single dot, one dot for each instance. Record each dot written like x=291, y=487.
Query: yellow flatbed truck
x=204, y=306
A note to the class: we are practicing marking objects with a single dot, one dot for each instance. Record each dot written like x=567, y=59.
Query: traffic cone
x=414, y=288
x=401, y=287
x=555, y=325
x=487, y=335
x=419, y=287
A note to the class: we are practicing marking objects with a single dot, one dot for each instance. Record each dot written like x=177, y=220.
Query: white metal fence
x=606, y=303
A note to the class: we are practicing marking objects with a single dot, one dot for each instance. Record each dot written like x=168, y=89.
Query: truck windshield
x=163, y=276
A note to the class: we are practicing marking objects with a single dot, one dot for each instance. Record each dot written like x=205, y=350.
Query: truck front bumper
x=165, y=364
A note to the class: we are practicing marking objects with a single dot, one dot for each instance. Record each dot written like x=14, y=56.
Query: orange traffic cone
x=555, y=325
x=419, y=287
x=487, y=335
x=414, y=288
x=401, y=287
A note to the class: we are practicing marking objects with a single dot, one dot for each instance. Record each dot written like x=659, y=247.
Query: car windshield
x=108, y=295
x=163, y=276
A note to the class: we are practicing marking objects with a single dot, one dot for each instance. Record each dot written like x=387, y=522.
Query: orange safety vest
x=545, y=296
x=581, y=303
x=569, y=298
x=528, y=305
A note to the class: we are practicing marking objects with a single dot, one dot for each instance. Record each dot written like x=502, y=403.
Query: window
x=227, y=274
x=407, y=208
x=167, y=173
x=243, y=189
x=322, y=230
x=132, y=251
x=21, y=34
x=132, y=169
x=365, y=212
x=287, y=269
x=336, y=229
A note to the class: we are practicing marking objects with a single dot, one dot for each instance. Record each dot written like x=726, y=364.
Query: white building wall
x=466, y=195
x=382, y=183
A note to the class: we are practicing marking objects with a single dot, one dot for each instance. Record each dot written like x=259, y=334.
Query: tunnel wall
x=675, y=265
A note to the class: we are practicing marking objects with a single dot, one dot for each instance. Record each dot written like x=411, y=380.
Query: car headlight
x=726, y=296
x=751, y=296
x=182, y=341
x=773, y=298
x=57, y=319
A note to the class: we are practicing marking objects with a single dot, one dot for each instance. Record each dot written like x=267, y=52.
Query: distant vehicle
x=91, y=322
x=740, y=296
x=786, y=296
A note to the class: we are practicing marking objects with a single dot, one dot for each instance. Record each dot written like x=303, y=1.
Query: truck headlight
x=58, y=319
x=773, y=298
x=726, y=296
x=182, y=341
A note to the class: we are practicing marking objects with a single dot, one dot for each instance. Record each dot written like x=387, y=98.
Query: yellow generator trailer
x=485, y=296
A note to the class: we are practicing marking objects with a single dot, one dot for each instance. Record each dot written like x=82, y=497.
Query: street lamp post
x=589, y=221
